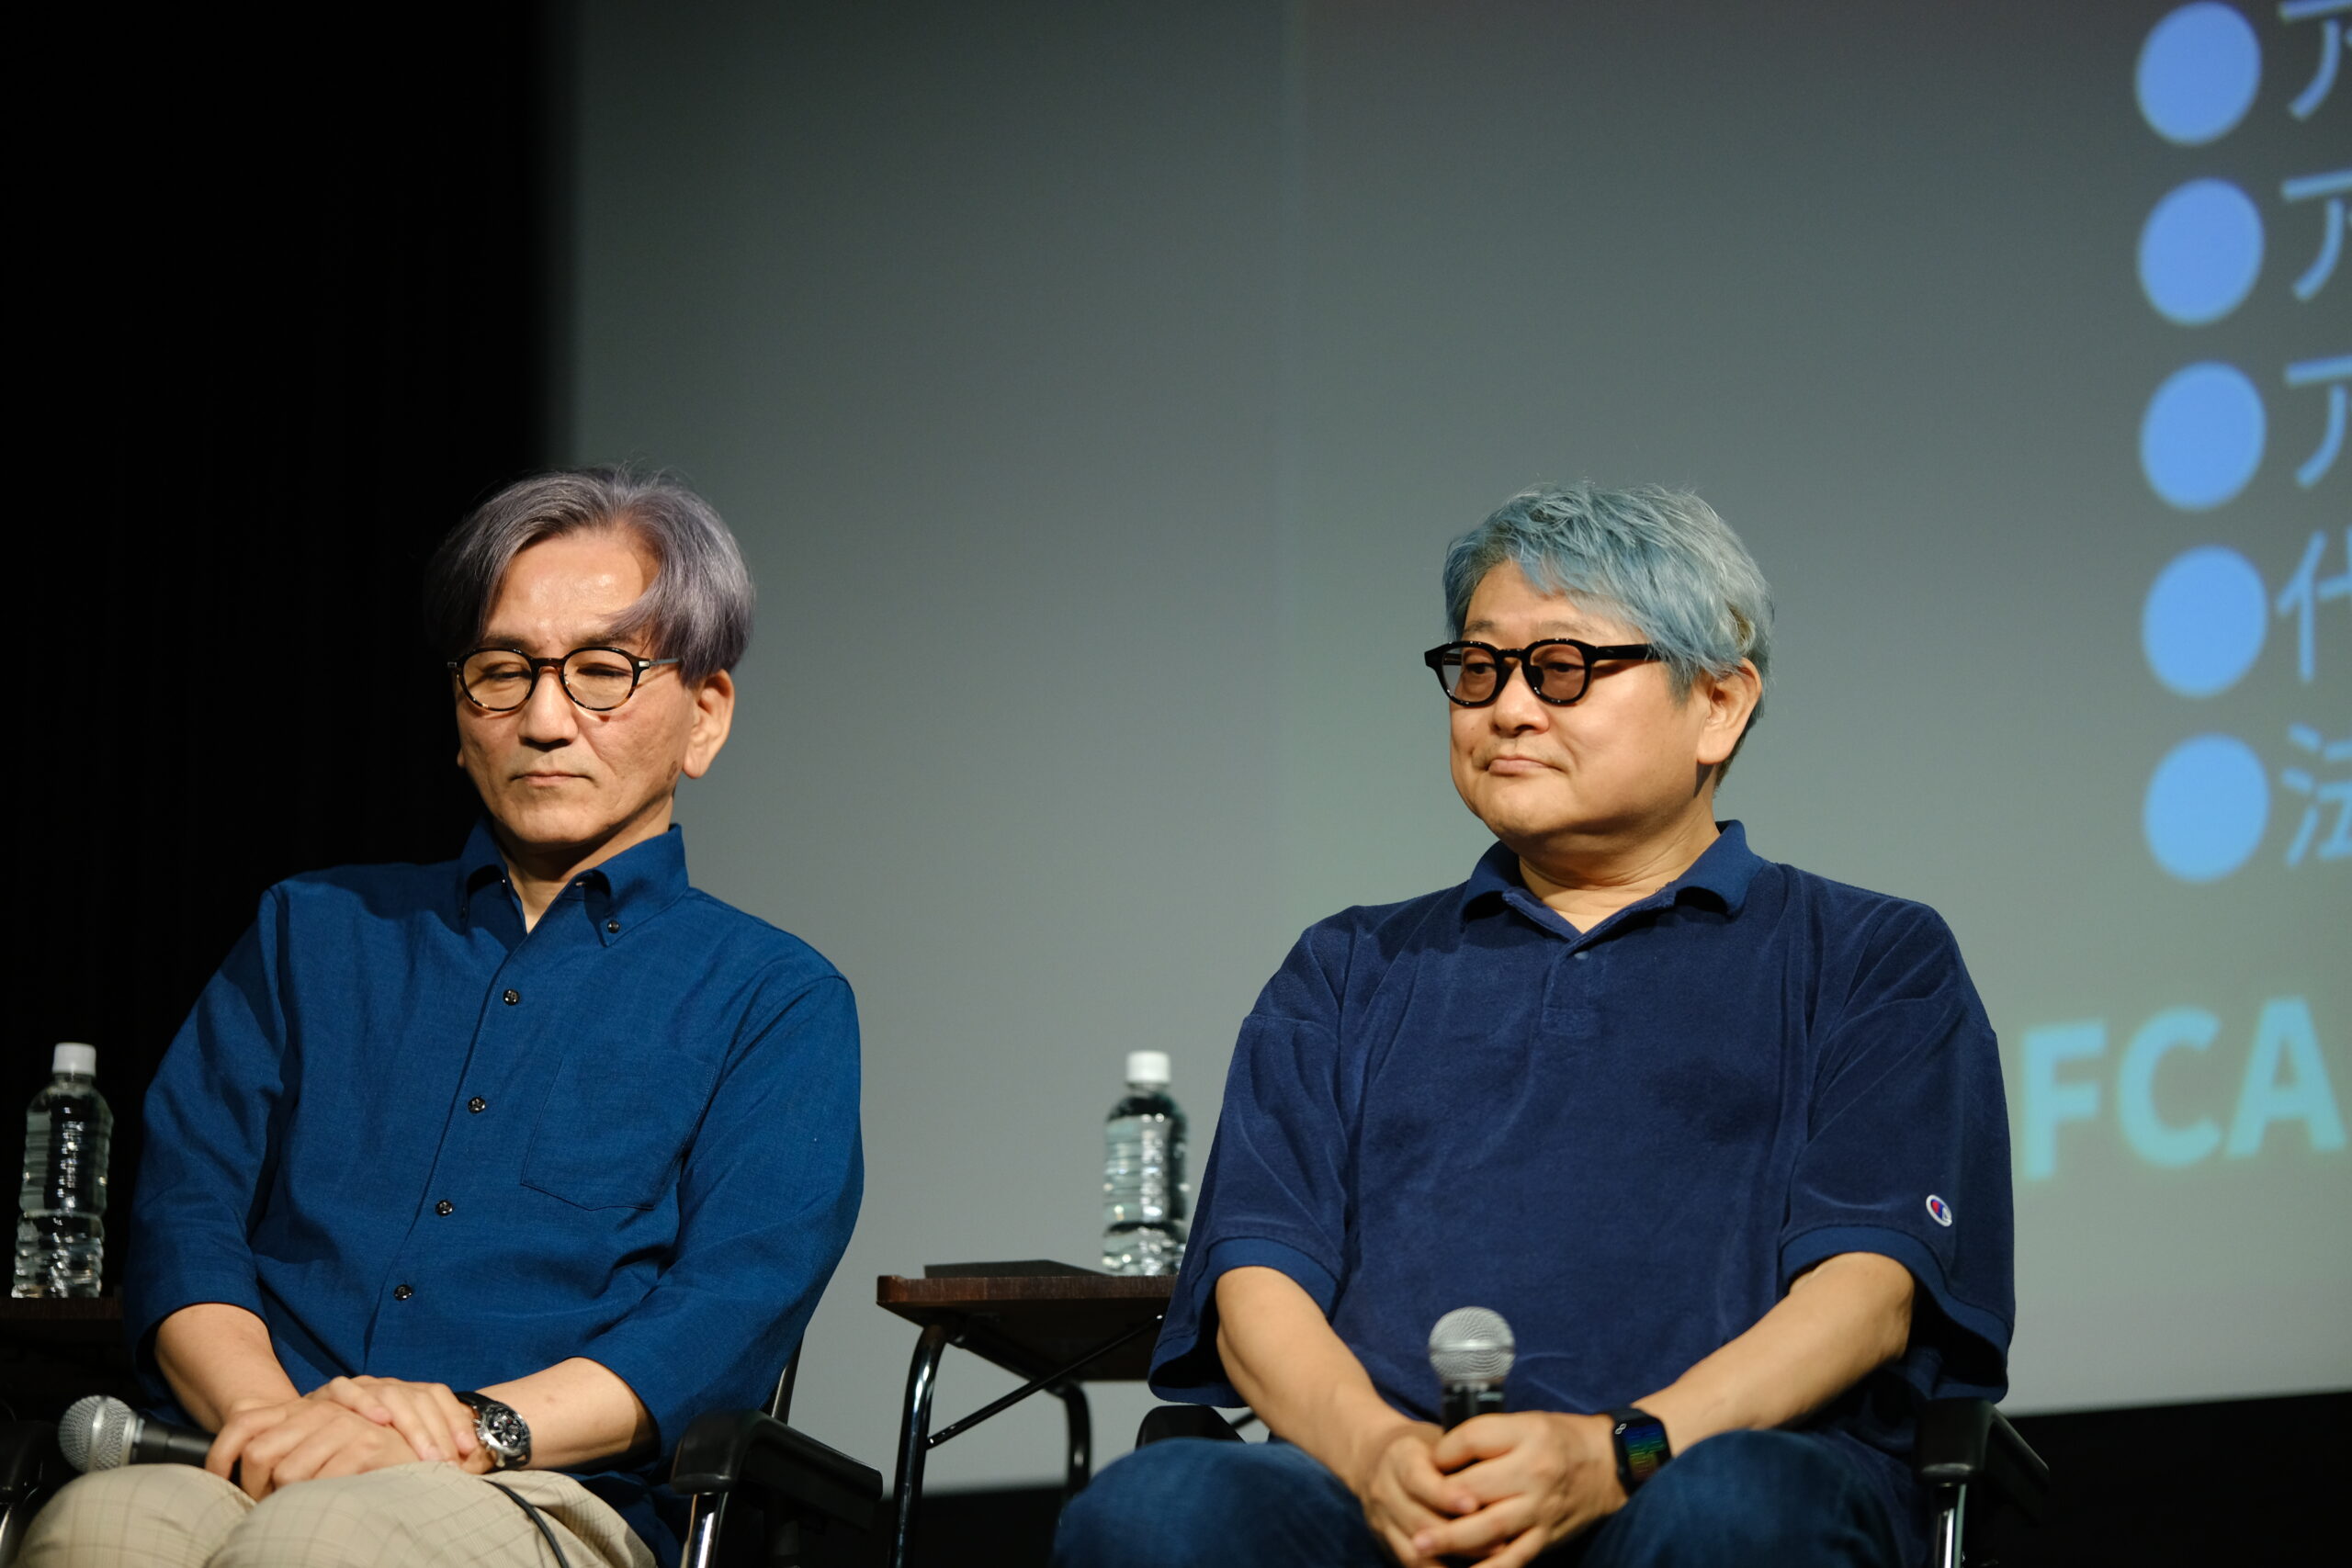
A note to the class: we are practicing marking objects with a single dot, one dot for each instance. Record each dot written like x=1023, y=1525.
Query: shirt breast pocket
x=611, y=1132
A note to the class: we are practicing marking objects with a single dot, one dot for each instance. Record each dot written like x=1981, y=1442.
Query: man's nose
x=1517, y=706
x=548, y=717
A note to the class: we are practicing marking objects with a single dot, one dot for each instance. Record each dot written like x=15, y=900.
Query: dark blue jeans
x=1741, y=1498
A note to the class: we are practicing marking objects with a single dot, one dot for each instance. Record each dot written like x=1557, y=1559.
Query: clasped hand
x=1495, y=1490
x=344, y=1427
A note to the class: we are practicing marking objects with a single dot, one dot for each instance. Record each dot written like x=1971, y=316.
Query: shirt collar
x=631, y=887
x=1723, y=872
x=480, y=868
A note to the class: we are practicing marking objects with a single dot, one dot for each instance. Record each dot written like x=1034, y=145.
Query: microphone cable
x=531, y=1512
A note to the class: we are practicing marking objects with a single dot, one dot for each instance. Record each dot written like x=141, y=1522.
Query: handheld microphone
x=1471, y=1350
x=99, y=1433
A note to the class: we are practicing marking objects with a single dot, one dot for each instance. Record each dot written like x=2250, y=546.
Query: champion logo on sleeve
x=1939, y=1210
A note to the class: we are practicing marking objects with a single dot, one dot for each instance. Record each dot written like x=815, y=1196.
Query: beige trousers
x=176, y=1516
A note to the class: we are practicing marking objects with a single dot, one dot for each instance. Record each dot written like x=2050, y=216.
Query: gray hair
x=698, y=610
x=1658, y=560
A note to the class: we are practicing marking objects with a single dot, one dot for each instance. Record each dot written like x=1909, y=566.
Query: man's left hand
x=437, y=1424
x=1537, y=1478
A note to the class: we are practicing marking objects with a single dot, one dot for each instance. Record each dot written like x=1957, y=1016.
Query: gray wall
x=1094, y=388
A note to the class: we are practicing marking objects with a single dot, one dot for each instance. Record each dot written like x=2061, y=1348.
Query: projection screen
x=1095, y=389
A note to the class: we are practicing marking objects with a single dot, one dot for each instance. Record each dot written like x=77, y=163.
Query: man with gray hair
x=1722, y=1141
x=467, y=1185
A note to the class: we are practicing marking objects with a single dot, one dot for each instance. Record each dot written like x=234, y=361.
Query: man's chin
x=547, y=827
x=567, y=830
x=1530, y=811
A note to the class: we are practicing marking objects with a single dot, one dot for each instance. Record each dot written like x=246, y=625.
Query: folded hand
x=435, y=1423
x=1402, y=1490
x=270, y=1446
x=1519, y=1483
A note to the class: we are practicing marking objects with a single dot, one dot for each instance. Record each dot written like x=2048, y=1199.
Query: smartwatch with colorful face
x=1642, y=1448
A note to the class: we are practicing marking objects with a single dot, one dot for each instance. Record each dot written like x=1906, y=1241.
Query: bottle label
x=1142, y=1172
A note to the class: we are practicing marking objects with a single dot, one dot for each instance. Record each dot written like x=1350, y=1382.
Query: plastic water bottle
x=1144, y=1194
x=61, y=1209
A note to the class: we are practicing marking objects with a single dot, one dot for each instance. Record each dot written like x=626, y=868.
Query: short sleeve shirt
x=1628, y=1140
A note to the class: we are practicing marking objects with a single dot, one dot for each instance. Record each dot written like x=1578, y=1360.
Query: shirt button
x=511, y=997
x=403, y=1292
x=1580, y=958
x=613, y=927
x=476, y=1105
x=445, y=1207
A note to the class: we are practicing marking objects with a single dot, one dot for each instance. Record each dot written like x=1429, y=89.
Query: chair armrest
x=726, y=1450
x=1965, y=1441
x=1164, y=1421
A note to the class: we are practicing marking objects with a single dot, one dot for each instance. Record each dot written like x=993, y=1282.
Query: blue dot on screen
x=2202, y=438
x=2207, y=805
x=2203, y=624
x=2197, y=73
x=2200, y=251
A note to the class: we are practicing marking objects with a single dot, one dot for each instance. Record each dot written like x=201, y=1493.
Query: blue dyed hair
x=1660, y=560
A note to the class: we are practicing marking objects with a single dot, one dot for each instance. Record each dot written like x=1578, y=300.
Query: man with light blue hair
x=1724, y=1142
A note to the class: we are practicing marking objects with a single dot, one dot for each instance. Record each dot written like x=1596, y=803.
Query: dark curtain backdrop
x=288, y=326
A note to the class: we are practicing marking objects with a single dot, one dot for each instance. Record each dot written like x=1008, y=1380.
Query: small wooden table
x=1057, y=1325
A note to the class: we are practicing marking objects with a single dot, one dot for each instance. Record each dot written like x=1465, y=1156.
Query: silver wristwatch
x=502, y=1430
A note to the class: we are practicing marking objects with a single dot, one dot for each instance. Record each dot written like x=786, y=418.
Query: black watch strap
x=1642, y=1448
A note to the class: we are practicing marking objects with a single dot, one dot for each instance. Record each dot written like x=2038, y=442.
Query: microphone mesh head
x=1471, y=1345
x=94, y=1433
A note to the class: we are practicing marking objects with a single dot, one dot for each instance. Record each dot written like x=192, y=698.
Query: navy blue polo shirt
x=419, y=1143
x=1628, y=1141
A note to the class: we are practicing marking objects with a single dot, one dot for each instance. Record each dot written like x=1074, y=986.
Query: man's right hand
x=274, y=1445
x=1402, y=1490
x=1307, y=1385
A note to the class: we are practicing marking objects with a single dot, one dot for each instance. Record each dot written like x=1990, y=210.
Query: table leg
x=914, y=1430
x=1079, y=1467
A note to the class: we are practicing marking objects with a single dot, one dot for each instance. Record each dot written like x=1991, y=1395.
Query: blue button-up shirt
x=421, y=1143
x=1627, y=1140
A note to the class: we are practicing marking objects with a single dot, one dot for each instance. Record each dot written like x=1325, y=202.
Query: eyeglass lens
x=596, y=678
x=1556, y=670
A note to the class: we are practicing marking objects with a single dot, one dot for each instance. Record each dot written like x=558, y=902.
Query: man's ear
x=1731, y=699
x=714, y=716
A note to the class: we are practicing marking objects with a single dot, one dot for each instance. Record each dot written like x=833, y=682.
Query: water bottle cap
x=1147, y=1066
x=72, y=1058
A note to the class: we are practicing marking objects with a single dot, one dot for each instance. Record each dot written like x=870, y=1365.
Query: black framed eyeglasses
x=599, y=679
x=1558, y=668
